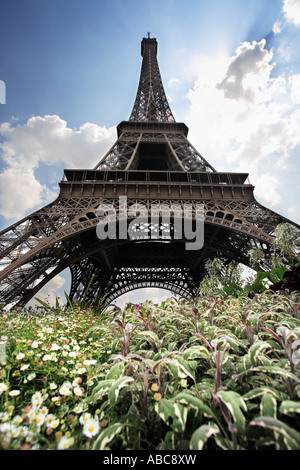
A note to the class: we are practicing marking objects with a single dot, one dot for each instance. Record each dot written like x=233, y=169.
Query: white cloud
x=241, y=118
x=248, y=71
x=294, y=82
x=45, y=140
x=291, y=10
x=49, y=292
x=277, y=28
x=173, y=81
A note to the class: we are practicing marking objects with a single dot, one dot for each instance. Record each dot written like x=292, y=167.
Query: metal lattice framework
x=151, y=163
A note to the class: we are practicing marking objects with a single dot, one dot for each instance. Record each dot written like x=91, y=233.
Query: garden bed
x=183, y=375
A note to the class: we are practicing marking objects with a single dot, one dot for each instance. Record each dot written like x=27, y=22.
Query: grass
x=200, y=374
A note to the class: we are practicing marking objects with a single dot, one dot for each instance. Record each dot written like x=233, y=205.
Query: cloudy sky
x=69, y=72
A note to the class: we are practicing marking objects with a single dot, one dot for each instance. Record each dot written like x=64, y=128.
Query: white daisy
x=65, y=443
x=84, y=418
x=14, y=393
x=77, y=391
x=37, y=399
x=91, y=427
x=20, y=356
x=3, y=387
x=39, y=419
x=52, y=421
x=31, y=376
x=65, y=389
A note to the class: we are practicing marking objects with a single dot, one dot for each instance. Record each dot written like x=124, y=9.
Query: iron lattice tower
x=151, y=162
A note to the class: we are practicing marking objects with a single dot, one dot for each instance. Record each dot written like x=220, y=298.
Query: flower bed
x=201, y=374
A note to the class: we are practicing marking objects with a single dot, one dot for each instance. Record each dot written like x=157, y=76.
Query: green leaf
x=86, y=291
x=195, y=352
x=201, y=435
x=47, y=306
x=116, y=387
x=256, y=392
x=256, y=349
x=69, y=301
x=268, y=405
x=115, y=371
x=150, y=336
x=225, y=341
x=172, y=413
x=101, y=389
x=276, y=370
x=276, y=274
x=234, y=403
x=193, y=402
x=288, y=407
x=291, y=437
x=106, y=436
x=179, y=368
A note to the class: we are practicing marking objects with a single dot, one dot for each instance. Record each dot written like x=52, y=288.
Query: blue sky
x=230, y=68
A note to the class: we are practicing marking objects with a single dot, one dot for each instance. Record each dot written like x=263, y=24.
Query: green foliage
x=198, y=374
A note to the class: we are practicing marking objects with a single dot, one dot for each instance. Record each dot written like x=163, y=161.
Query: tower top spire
x=151, y=103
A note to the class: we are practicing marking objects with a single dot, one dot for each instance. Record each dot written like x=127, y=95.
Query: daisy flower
x=20, y=356
x=44, y=410
x=3, y=387
x=39, y=419
x=15, y=431
x=89, y=362
x=65, y=389
x=37, y=399
x=84, y=418
x=65, y=443
x=91, y=427
x=47, y=357
x=17, y=420
x=31, y=376
x=52, y=421
x=24, y=367
x=14, y=393
x=76, y=381
x=78, y=391
x=79, y=408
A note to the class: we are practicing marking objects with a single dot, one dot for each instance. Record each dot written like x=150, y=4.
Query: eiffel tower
x=151, y=163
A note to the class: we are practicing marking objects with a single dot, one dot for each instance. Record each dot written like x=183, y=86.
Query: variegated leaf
x=201, y=435
x=116, y=387
x=167, y=409
x=101, y=389
x=268, y=405
x=106, y=436
x=256, y=349
x=193, y=402
x=234, y=403
x=289, y=407
x=291, y=437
